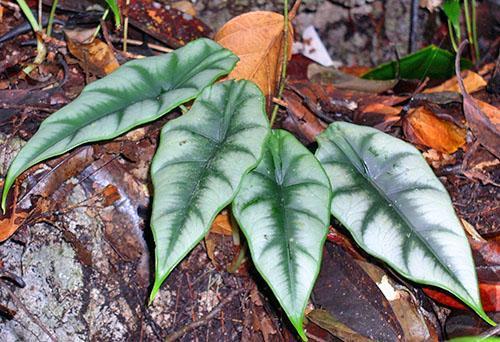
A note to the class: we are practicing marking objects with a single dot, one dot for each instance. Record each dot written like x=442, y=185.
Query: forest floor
x=76, y=261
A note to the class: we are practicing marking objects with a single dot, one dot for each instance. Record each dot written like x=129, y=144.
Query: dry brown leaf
x=472, y=82
x=257, y=39
x=110, y=195
x=210, y=246
x=185, y=6
x=492, y=112
x=382, y=109
x=94, y=55
x=438, y=159
x=422, y=127
x=378, y=115
x=13, y=219
x=482, y=119
x=222, y=225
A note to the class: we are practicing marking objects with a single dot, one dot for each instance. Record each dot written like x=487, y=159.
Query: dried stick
x=34, y=319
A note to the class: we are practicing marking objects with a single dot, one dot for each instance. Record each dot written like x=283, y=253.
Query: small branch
x=284, y=61
x=34, y=319
x=315, y=338
x=125, y=26
x=412, y=46
x=203, y=321
x=490, y=332
x=140, y=42
x=40, y=13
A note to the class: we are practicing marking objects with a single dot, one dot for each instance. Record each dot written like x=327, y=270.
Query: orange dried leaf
x=472, y=81
x=483, y=125
x=13, y=219
x=381, y=108
x=422, y=127
x=492, y=112
x=222, y=225
x=95, y=56
x=257, y=39
x=111, y=195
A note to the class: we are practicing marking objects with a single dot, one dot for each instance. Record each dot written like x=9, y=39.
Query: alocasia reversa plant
x=223, y=150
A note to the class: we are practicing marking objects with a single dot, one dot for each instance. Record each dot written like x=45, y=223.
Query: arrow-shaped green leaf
x=199, y=165
x=140, y=91
x=283, y=210
x=397, y=210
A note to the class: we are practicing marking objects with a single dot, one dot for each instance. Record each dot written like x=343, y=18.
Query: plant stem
x=284, y=62
x=468, y=23
x=98, y=28
x=125, y=26
x=184, y=109
x=40, y=46
x=40, y=14
x=51, y=17
x=29, y=15
x=474, y=30
x=239, y=260
x=235, y=230
x=451, y=31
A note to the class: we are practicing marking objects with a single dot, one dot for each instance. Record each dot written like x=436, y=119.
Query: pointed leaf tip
x=138, y=92
x=283, y=210
x=397, y=210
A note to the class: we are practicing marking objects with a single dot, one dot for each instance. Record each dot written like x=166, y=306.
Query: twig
x=125, y=26
x=490, y=332
x=40, y=13
x=42, y=108
x=140, y=42
x=203, y=321
x=284, y=61
x=34, y=319
x=315, y=338
x=412, y=47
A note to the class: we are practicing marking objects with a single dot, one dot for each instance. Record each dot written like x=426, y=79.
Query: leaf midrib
x=71, y=132
x=280, y=189
x=206, y=164
x=396, y=209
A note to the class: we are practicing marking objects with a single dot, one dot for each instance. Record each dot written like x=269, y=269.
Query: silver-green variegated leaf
x=283, y=208
x=199, y=164
x=396, y=209
x=139, y=91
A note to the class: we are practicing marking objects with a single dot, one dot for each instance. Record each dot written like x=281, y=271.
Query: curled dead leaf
x=483, y=119
x=378, y=115
x=257, y=39
x=13, y=218
x=93, y=54
x=472, y=82
x=341, y=80
x=422, y=127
